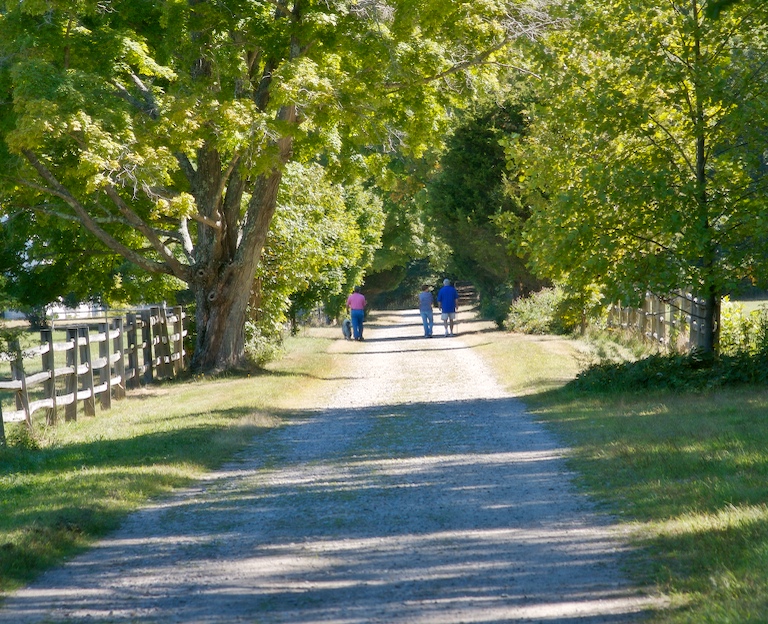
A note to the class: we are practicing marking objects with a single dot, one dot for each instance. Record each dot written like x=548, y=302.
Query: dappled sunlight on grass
x=731, y=517
x=89, y=473
x=686, y=472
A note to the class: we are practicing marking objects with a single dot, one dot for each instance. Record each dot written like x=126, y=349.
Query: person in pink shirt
x=356, y=306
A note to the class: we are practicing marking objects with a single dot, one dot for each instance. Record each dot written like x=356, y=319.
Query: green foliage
x=164, y=127
x=475, y=205
x=648, y=148
x=743, y=332
x=547, y=311
x=321, y=242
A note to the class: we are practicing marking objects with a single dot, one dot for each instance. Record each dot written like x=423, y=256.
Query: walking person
x=447, y=298
x=425, y=309
x=356, y=306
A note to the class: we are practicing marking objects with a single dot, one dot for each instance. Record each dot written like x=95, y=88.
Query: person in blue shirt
x=447, y=299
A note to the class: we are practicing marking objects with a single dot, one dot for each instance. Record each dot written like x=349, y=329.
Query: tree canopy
x=648, y=146
x=164, y=127
x=475, y=203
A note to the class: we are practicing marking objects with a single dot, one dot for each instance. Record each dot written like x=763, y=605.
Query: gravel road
x=415, y=491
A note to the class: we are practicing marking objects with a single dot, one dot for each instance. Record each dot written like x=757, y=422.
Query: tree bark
x=222, y=303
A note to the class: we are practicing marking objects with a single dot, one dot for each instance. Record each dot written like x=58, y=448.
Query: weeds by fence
x=99, y=357
x=676, y=322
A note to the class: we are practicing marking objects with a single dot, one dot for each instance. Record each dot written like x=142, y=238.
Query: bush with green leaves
x=548, y=311
x=742, y=331
x=321, y=242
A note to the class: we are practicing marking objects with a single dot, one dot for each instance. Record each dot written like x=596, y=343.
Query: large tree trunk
x=222, y=306
x=224, y=289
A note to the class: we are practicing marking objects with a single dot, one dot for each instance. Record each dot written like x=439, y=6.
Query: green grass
x=687, y=473
x=70, y=484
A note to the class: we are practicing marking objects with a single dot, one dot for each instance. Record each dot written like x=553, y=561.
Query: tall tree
x=651, y=145
x=175, y=119
x=474, y=201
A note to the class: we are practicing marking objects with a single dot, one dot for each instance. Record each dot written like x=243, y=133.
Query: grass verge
x=687, y=473
x=67, y=485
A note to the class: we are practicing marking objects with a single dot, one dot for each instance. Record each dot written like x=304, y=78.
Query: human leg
x=427, y=320
x=357, y=324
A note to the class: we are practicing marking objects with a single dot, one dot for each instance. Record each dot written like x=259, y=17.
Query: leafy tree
x=175, y=120
x=44, y=260
x=650, y=143
x=410, y=250
x=321, y=241
x=476, y=204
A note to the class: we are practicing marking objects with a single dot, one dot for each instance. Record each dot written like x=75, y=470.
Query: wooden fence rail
x=134, y=349
x=673, y=321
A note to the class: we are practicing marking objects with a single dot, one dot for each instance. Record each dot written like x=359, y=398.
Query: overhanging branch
x=59, y=190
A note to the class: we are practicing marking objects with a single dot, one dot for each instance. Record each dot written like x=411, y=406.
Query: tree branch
x=179, y=270
x=90, y=224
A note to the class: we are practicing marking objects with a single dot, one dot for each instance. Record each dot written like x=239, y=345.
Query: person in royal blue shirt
x=447, y=298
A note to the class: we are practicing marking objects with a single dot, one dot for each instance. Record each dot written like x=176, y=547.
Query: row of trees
x=264, y=154
x=165, y=128
x=645, y=155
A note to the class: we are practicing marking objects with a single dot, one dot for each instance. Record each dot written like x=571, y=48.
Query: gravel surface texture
x=415, y=491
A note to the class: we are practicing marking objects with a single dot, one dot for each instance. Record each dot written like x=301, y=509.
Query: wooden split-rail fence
x=102, y=358
x=676, y=322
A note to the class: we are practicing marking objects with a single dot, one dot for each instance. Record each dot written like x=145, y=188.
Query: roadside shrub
x=19, y=436
x=741, y=332
x=496, y=306
x=261, y=347
x=548, y=311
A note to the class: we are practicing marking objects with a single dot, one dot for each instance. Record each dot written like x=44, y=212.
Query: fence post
x=73, y=381
x=2, y=427
x=105, y=372
x=660, y=316
x=133, y=351
x=49, y=364
x=157, y=342
x=178, y=330
x=17, y=369
x=166, y=365
x=118, y=348
x=89, y=404
x=146, y=338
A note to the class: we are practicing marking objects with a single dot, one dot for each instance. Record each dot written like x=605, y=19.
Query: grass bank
x=72, y=483
x=686, y=472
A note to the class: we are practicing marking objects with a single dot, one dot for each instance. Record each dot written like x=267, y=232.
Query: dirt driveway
x=416, y=492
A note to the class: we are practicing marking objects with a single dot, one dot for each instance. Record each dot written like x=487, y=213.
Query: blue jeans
x=428, y=319
x=357, y=317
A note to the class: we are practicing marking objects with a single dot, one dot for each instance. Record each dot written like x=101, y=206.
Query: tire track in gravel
x=419, y=493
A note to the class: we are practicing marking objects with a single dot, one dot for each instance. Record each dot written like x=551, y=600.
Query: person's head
x=425, y=287
x=356, y=289
x=446, y=282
